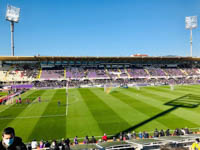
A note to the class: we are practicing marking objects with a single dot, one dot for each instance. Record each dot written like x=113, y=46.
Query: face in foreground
x=8, y=139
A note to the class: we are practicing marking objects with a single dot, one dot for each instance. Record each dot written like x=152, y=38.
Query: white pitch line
x=67, y=92
x=30, y=117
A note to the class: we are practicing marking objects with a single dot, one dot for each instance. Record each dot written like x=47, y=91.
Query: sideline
x=67, y=99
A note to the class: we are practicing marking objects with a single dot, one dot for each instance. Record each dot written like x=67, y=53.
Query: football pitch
x=90, y=111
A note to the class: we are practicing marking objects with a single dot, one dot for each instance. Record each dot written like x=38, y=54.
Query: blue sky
x=100, y=27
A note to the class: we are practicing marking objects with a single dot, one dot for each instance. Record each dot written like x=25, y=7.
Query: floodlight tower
x=12, y=15
x=191, y=23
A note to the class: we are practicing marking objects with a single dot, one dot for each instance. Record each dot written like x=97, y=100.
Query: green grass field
x=3, y=93
x=90, y=111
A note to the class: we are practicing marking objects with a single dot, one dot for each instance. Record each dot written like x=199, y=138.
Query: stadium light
x=12, y=15
x=191, y=23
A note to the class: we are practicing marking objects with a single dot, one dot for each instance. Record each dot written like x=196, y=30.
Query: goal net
x=171, y=87
x=108, y=88
x=137, y=87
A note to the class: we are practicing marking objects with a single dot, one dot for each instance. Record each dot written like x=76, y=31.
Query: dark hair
x=197, y=139
x=9, y=130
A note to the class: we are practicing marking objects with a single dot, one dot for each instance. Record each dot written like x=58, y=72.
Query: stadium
x=90, y=96
x=100, y=75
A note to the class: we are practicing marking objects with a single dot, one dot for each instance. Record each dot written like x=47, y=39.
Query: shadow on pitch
x=186, y=101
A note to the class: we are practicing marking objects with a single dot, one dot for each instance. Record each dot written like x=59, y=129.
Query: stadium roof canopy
x=90, y=58
x=109, y=62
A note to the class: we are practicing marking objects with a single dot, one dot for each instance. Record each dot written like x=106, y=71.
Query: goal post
x=108, y=88
x=171, y=87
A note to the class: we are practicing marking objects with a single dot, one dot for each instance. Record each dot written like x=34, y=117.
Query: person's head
x=197, y=140
x=8, y=136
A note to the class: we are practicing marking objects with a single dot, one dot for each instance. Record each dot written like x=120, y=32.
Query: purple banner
x=27, y=86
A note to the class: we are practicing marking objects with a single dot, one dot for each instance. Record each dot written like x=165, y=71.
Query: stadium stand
x=156, y=72
x=79, y=71
x=18, y=73
x=52, y=74
x=180, y=138
x=99, y=70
